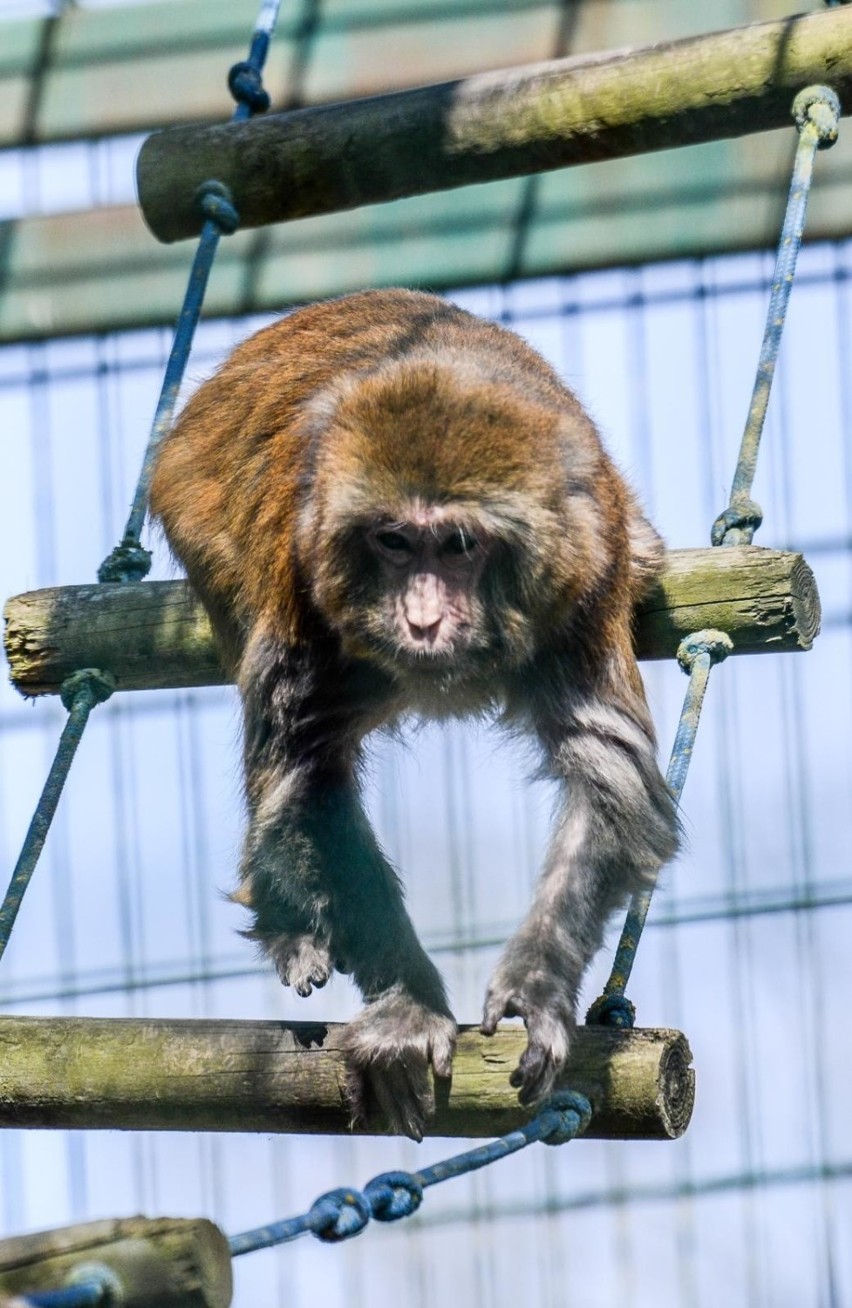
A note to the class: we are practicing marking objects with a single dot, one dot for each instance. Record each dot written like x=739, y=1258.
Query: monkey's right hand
x=521, y=989
x=389, y=1048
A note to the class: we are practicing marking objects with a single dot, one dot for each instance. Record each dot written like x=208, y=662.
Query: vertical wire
x=188, y=874
x=809, y=993
x=200, y=821
x=816, y=110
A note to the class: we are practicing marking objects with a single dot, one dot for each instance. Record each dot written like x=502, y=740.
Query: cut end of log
x=676, y=1086
x=805, y=608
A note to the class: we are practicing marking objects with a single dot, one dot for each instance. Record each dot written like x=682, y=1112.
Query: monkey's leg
x=316, y=862
x=321, y=890
x=616, y=826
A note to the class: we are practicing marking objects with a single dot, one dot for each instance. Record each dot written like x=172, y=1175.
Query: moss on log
x=500, y=124
x=162, y=1262
x=155, y=634
x=186, y=1075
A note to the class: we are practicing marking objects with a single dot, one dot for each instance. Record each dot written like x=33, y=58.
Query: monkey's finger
x=402, y=1091
x=441, y=1050
x=355, y=1089
x=496, y=1006
x=534, y=1076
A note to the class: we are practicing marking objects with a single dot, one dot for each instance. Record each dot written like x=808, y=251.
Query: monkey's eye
x=459, y=544
x=395, y=542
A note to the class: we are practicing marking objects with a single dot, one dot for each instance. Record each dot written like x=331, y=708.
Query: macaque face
x=429, y=568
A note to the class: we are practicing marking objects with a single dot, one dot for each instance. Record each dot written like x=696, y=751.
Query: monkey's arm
x=322, y=892
x=615, y=827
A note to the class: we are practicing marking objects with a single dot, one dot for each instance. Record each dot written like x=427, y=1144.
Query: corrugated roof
x=95, y=72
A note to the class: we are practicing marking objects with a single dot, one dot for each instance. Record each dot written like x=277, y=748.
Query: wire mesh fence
x=747, y=945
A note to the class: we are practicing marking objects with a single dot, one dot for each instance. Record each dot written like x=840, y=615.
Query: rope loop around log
x=566, y=1115
x=217, y=204
x=819, y=106
x=128, y=561
x=615, y=1011
x=246, y=86
x=743, y=515
x=393, y=1195
x=339, y=1215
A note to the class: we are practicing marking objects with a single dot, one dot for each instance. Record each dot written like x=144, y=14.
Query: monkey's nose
x=427, y=634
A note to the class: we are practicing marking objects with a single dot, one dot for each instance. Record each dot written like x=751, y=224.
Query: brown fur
x=394, y=407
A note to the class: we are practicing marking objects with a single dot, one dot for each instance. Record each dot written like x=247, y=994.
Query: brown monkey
x=391, y=507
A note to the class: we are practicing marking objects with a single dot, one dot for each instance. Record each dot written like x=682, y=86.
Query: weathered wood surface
x=155, y=634
x=164, y=1075
x=162, y=1262
x=765, y=600
x=500, y=124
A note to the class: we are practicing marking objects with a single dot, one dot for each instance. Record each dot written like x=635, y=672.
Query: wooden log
x=499, y=124
x=188, y=1075
x=765, y=600
x=162, y=1262
x=155, y=634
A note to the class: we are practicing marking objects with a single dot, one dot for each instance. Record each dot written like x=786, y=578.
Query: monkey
x=391, y=508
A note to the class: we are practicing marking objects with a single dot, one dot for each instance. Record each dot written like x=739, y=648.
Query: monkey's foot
x=550, y=1021
x=389, y=1048
x=301, y=960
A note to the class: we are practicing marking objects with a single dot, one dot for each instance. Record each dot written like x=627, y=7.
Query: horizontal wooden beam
x=182, y=1075
x=155, y=634
x=160, y=1262
x=503, y=124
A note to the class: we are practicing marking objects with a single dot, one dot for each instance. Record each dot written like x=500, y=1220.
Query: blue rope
x=696, y=656
x=91, y=1284
x=342, y=1213
x=130, y=561
x=80, y=693
x=816, y=110
x=85, y=1295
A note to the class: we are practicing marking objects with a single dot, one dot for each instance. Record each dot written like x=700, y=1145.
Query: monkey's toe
x=302, y=961
x=391, y=1049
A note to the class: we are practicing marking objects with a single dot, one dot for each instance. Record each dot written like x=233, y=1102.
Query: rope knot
x=216, y=203
x=97, y=686
x=339, y=1215
x=615, y=1011
x=393, y=1195
x=571, y=1113
x=246, y=86
x=743, y=517
x=818, y=105
x=715, y=643
x=127, y=562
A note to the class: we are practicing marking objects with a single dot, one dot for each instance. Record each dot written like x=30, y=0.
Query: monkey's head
x=440, y=534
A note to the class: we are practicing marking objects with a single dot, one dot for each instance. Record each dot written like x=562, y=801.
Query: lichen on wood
x=168, y=1075
x=155, y=634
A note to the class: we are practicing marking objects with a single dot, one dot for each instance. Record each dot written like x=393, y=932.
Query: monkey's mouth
x=394, y=651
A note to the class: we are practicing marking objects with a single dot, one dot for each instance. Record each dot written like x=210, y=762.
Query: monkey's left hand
x=389, y=1049
x=525, y=985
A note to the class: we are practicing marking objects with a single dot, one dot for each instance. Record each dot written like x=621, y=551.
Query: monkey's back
x=231, y=478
